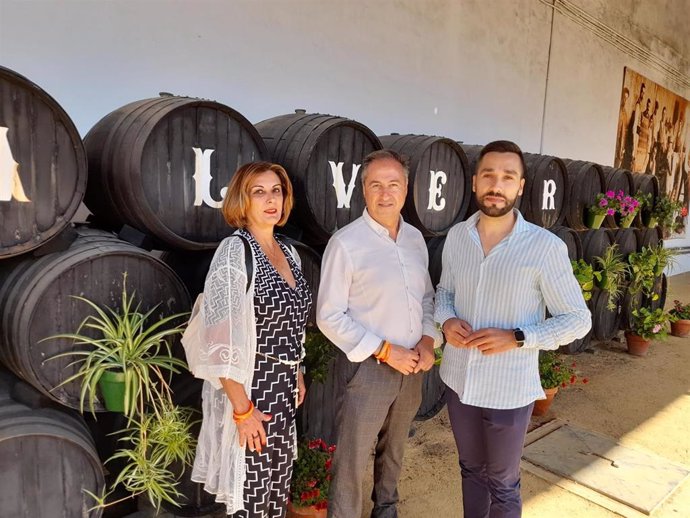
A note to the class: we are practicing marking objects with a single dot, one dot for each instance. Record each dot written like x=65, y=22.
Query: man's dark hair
x=501, y=146
x=385, y=154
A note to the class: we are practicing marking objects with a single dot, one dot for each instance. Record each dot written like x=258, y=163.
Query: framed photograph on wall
x=653, y=136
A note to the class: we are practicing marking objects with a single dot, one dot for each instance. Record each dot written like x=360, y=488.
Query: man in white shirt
x=500, y=274
x=376, y=304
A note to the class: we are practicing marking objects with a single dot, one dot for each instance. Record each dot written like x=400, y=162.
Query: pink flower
x=603, y=202
x=656, y=329
x=610, y=212
x=684, y=211
x=610, y=194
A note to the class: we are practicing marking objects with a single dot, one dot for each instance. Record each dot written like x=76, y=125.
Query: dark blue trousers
x=489, y=445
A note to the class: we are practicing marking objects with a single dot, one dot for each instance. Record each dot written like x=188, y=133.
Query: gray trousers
x=375, y=408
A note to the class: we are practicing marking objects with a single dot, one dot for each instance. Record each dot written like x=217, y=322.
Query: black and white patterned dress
x=281, y=316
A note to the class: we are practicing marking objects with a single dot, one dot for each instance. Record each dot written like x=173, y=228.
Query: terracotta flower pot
x=637, y=346
x=294, y=511
x=541, y=406
x=680, y=328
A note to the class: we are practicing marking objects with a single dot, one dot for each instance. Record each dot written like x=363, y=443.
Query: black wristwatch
x=519, y=337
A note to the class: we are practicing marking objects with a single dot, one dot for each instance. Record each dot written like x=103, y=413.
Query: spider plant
x=121, y=341
x=613, y=271
x=155, y=445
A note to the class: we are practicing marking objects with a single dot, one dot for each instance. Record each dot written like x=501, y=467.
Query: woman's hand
x=301, y=387
x=252, y=432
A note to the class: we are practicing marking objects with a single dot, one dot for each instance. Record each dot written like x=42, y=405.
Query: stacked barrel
x=157, y=173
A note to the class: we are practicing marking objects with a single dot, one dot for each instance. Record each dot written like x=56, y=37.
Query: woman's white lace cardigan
x=228, y=350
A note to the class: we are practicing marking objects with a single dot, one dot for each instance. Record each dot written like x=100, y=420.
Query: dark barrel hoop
x=36, y=302
x=161, y=166
x=323, y=155
x=586, y=181
x=440, y=182
x=42, y=166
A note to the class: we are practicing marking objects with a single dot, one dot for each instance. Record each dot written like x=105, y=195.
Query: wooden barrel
x=545, y=194
x=659, y=291
x=323, y=155
x=586, y=180
x=435, y=248
x=36, y=302
x=161, y=166
x=645, y=184
x=626, y=239
x=617, y=180
x=42, y=166
x=318, y=413
x=595, y=243
x=578, y=346
x=648, y=237
x=433, y=395
x=440, y=182
x=605, y=321
x=571, y=240
x=48, y=462
x=190, y=266
x=628, y=304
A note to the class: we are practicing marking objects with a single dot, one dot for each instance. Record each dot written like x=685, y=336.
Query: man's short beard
x=495, y=212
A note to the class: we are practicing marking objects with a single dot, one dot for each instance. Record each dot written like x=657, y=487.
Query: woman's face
x=265, y=200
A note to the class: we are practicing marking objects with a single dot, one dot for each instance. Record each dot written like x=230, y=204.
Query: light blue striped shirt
x=528, y=271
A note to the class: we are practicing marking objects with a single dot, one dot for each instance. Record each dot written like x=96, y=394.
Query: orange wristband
x=238, y=418
x=384, y=353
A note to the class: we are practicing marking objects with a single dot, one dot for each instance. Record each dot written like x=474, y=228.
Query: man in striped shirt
x=500, y=274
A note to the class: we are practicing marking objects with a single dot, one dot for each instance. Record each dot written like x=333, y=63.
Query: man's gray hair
x=385, y=154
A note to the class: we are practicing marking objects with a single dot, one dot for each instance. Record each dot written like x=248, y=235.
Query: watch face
x=519, y=336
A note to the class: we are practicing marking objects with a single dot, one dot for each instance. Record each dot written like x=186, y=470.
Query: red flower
x=304, y=496
x=331, y=449
x=684, y=211
x=321, y=505
x=572, y=379
x=312, y=483
x=328, y=464
x=585, y=380
x=563, y=385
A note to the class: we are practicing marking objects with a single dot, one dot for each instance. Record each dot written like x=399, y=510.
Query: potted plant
x=554, y=372
x=585, y=275
x=605, y=204
x=663, y=257
x=318, y=353
x=645, y=326
x=124, y=356
x=138, y=352
x=645, y=266
x=665, y=211
x=680, y=319
x=612, y=270
x=627, y=210
x=311, y=480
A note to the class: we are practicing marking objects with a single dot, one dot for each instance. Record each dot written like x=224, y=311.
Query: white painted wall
x=473, y=70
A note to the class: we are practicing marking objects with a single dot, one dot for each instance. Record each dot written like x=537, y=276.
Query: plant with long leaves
x=155, y=445
x=613, y=271
x=124, y=343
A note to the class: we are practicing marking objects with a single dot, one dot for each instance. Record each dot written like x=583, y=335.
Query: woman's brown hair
x=237, y=201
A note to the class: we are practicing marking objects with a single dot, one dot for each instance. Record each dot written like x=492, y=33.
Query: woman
x=254, y=319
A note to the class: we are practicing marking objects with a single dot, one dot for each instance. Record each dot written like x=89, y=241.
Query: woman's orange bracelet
x=238, y=418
